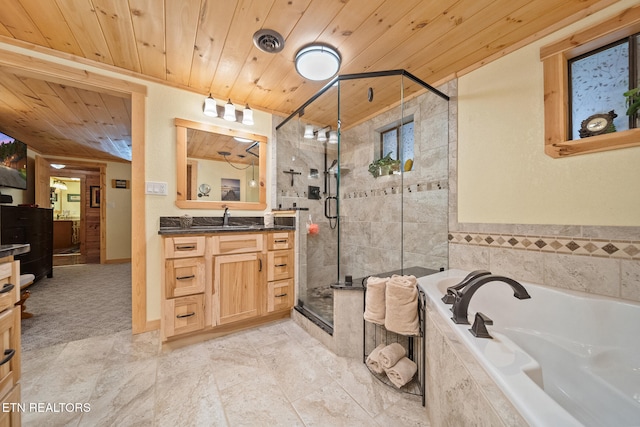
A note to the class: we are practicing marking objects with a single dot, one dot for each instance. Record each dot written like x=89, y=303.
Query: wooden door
x=42, y=185
x=237, y=280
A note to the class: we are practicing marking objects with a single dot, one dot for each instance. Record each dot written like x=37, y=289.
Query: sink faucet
x=225, y=217
x=463, y=297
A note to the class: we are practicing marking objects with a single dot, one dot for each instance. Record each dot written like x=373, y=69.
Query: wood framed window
x=555, y=58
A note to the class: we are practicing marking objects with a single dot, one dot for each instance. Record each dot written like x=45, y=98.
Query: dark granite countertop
x=207, y=225
x=221, y=229
x=15, y=249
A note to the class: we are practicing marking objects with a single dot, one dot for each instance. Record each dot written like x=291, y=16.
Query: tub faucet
x=463, y=297
x=450, y=296
x=225, y=217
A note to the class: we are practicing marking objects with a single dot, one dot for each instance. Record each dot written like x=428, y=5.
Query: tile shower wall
x=602, y=260
x=318, y=259
x=393, y=221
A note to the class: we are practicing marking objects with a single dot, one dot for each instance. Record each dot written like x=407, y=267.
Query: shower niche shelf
x=375, y=335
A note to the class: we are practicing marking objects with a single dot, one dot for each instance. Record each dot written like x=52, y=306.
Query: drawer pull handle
x=8, y=354
x=185, y=277
x=281, y=265
x=185, y=248
x=182, y=316
x=260, y=264
x=280, y=241
x=280, y=295
x=6, y=288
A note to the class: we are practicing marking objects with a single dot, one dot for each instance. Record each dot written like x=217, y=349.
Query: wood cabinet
x=9, y=339
x=280, y=271
x=226, y=281
x=23, y=224
x=184, y=277
x=237, y=282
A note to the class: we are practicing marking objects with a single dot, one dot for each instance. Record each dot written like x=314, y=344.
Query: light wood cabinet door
x=184, y=276
x=9, y=349
x=184, y=247
x=237, y=280
x=183, y=315
x=279, y=240
x=280, y=265
x=11, y=418
x=279, y=295
x=9, y=284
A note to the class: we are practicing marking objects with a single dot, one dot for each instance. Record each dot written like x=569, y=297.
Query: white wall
x=504, y=175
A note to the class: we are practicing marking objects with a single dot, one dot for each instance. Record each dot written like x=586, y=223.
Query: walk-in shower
x=381, y=141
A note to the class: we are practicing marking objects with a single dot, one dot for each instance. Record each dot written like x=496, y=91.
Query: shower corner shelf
x=375, y=335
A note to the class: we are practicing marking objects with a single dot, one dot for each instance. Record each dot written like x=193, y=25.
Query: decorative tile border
x=395, y=189
x=379, y=192
x=622, y=249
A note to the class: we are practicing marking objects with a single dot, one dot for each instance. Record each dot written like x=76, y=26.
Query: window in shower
x=397, y=140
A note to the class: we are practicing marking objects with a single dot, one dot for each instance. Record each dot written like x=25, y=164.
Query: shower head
x=332, y=165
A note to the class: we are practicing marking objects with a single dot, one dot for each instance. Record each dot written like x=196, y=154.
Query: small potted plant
x=384, y=166
x=633, y=101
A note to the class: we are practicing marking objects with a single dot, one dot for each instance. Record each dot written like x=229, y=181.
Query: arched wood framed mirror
x=219, y=167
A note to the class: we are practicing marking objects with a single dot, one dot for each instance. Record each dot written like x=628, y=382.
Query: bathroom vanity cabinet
x=220, y=282
x=10, y=333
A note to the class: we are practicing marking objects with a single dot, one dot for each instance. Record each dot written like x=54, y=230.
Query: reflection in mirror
x=219, y=167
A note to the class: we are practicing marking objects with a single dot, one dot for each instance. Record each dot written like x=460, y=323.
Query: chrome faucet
x=463, y=297
x=225, y=217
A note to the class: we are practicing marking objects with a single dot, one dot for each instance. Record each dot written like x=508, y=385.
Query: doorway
x=76, y=218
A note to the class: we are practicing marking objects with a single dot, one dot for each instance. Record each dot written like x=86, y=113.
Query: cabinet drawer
x=184, y=276
x=184, y=247
x=9, y=284
x=280, y=265
x=183, y=315
x=280, y=240
x=279, y=295
x=11, y=418
x=9, y=349
x=237, y=243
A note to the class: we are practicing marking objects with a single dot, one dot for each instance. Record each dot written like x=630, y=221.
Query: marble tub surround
x=274, y=375
x=568, y=257
x=459, y=391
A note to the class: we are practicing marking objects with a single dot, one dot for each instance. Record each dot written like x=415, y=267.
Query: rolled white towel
x=373, y=360
x=402, y=372
x=374, y=309
x=401, y=301
x=390, y=355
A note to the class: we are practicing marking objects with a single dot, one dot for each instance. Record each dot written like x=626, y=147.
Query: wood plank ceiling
x=206, y=46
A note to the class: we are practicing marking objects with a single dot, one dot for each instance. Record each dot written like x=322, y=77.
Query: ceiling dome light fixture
x=317, y=62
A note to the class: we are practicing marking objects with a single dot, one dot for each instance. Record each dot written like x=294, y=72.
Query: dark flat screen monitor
x=13, y=162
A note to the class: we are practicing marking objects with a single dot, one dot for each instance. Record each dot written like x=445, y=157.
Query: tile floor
x=275, y=375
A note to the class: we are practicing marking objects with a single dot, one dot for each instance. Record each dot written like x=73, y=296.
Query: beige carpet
x=79, y=301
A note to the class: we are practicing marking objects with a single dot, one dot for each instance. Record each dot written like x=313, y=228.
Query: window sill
x=554, y=58
x=594, y=144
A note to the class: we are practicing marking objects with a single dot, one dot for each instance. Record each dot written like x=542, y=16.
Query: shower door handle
x=327, y=207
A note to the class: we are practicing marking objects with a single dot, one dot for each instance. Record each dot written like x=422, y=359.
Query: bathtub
x=562, y=358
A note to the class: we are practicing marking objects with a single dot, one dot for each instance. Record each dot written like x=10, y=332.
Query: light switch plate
x=156, y=188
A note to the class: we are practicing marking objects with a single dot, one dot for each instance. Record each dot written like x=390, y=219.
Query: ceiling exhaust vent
x=269, y=41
